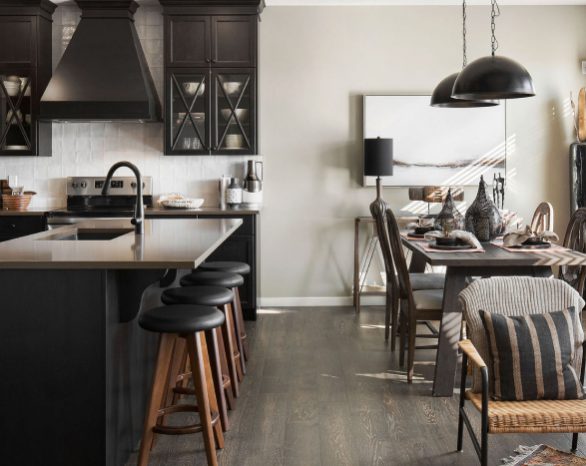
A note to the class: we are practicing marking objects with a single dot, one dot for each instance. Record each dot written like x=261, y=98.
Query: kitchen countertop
x=24, y=213
x=149, y=211
x=201, y=211
x=168, y=243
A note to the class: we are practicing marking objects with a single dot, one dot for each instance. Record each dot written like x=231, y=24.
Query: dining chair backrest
x=575, y=239
x=378, y=212
x=542, y=218
x=517, y=296
x=398, y=256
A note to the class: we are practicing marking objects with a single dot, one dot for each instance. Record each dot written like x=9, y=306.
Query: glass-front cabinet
x=16, y=128
x=210, y=111
x=234, y=111
x=188, y=113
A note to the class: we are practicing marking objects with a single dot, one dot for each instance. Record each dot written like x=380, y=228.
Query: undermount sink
x=92, y=234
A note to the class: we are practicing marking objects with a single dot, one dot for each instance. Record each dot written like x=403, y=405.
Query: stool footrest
x=184, y=390
x=181, y=430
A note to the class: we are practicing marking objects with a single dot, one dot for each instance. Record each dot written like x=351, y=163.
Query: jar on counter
x=234, y=193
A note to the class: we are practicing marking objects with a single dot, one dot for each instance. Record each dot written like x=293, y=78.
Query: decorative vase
x=483, y=219
x=449, y=217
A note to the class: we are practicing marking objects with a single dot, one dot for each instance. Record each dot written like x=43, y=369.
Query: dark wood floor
x=323, y=389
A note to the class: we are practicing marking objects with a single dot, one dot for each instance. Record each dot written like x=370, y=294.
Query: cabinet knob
x=207, y=60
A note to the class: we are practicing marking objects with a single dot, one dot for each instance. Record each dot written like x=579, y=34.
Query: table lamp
x=378, y=161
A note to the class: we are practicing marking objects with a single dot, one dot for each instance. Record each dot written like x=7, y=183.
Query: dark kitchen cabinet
x=15, y=226
x=210, y=74
x=25, y=70
x=240, y=246
x=234, y=41
x=188, y=41
x=202, y=40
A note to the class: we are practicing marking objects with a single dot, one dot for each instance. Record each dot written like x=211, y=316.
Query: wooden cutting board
x=581, y=115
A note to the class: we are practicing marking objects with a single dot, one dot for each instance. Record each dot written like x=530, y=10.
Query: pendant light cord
x=495, y=11
x=464, y=57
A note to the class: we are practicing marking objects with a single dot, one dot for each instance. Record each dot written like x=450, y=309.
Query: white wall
x=316, y=62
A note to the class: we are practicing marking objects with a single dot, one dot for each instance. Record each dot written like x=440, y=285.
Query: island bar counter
x=75, y=368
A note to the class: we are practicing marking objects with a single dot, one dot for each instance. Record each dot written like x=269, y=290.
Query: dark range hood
x=103, y=74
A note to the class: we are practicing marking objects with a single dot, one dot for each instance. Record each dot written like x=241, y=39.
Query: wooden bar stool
x=241, y=268
x=185, y=322
x=221, y=298
x=228, y=280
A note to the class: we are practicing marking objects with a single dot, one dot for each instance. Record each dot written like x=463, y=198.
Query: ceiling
x=394, y=2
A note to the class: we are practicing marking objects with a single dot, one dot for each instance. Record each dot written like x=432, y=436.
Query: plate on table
x=419, y=232
x=451, y=247
x=533, y=245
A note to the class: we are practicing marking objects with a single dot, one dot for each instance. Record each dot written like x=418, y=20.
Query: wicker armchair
x=514, y=296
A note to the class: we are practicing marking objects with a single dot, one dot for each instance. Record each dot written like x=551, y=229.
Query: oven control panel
x=119, y=186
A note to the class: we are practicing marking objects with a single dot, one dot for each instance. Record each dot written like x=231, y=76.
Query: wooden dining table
x=494, y=261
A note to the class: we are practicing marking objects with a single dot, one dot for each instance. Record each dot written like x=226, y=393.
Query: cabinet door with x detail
x=188, y=112
x=234, y=111
x=17, y=125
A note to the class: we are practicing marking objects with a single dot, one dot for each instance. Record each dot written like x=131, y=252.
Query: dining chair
x=515, y=296
x=575, y=239
x=542, y=218
x=419, y=281
x=416, y=305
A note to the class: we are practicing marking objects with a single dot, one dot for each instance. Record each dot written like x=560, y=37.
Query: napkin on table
x=517, y=238
x=464, y=236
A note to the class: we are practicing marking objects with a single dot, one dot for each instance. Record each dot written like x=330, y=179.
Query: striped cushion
x=533, y=356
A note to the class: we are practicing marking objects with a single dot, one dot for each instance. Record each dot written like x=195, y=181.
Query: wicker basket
x=19, y=202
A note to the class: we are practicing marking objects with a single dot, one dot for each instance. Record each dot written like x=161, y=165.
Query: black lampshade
x=442, y=96
x=378, y=157
x=493, y=77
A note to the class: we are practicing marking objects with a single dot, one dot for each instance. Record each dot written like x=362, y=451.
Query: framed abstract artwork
x=437, y=146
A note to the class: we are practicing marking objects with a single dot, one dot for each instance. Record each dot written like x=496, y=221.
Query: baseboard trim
x=318, y=301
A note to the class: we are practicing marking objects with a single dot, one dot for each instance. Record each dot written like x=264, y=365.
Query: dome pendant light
x=442, y=94
x=493, y=77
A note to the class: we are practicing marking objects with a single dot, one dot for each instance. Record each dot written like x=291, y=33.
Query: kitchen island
x=75, y=366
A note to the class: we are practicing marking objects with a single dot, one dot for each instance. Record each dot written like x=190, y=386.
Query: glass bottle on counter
x=252, y=183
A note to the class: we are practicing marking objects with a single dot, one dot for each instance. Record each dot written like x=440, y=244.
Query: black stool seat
x=204, y=277
x=181, y=319
x=201, y=295
x=241, y=268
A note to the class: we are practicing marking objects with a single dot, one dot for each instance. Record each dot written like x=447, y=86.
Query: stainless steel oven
x=85, y=200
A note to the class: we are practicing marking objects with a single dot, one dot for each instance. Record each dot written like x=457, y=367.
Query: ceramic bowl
x=232, y=87
x=233, y=141
x=12, y=88
x=241, y=114
x=190, y=88
x=184, y=203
